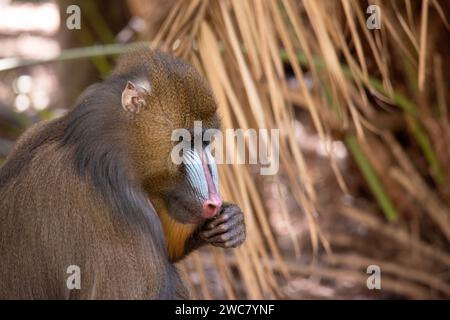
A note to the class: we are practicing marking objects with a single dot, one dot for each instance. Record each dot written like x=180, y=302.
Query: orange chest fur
x=176, y=234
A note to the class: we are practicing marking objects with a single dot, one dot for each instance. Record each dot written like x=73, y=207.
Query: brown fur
x=75, y=190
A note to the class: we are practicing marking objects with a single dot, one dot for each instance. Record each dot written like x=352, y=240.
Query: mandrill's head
x=162, y=97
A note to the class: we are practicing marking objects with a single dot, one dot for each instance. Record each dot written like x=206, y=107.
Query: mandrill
x=97, y=189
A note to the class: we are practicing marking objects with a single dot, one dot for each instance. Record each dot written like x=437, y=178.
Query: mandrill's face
x=196, y=196
x=167, y=109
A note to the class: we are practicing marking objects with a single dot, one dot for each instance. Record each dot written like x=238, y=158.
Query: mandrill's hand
x=227, y=229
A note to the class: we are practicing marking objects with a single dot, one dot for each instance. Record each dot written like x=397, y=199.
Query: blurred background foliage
x=363, y=114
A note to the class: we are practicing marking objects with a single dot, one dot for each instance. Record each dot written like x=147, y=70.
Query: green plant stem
x=371, y=177
x=70, y=54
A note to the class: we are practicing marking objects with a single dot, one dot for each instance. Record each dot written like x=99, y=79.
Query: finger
x=228, y=216
x=212, y=232
x=219, y=244
x=233, y=243
x=222, y=228
x=221, y=218
x=227, y=236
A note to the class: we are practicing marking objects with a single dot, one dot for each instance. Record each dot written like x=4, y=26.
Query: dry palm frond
x=347, y=78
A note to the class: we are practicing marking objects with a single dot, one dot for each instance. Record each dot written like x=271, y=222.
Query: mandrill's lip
x=208, y=215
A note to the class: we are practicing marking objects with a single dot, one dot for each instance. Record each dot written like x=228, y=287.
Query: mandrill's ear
x=134, y=97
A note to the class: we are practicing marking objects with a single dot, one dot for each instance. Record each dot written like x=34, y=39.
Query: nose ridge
x=211, y=207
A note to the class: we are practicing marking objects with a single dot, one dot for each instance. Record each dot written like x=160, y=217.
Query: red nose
x=211, y=207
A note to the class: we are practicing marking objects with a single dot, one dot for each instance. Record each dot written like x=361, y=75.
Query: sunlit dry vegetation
x=364, y=136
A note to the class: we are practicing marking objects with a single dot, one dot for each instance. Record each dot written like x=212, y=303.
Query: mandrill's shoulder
x=37, y=134
x=28, y=144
